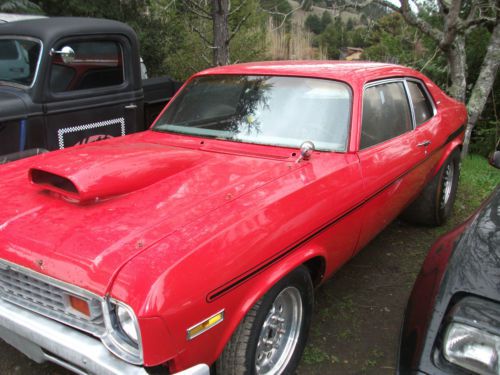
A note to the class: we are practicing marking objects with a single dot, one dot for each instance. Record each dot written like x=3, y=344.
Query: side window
x=18, y=60
x=9, y=50
x=421, y=104
x=386, y=113
x=96, y=64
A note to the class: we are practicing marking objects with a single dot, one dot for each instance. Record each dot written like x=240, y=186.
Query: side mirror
x=306, y=150
x=494, y=159
x=67, y=54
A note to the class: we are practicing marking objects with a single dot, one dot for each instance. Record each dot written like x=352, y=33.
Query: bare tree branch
x=354, y=4
x=238, y=27
x=206, y=59
x=483, y=85
x=479, y=21
x=406, y=12
x=201, y=15
x=429, y=61
x=413, y=20
x=242, y=4
x=203, y=37
x=284, y=15
x=472, y=12
x=197, y=9
x=450, y=24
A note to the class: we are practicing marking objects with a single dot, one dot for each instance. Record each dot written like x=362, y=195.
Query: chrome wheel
x=279, y=333
x=448, y=177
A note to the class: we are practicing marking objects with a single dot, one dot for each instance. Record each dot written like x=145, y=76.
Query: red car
x=198, y=243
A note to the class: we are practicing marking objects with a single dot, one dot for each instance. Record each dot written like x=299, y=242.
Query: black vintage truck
x=67, y=81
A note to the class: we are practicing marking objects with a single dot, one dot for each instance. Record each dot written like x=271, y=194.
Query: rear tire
x=434, y=205
x=271, y=337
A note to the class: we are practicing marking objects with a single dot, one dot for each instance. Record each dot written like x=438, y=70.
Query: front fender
x=166, y=321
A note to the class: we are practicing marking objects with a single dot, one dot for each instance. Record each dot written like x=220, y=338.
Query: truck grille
x=44, y=297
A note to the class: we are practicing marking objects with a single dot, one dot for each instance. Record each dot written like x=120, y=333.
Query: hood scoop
x=92, y=173
x=51, y=180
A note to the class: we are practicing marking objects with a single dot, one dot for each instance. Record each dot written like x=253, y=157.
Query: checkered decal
x=116, y=121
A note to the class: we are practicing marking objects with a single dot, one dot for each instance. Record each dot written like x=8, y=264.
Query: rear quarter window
x=421, y=103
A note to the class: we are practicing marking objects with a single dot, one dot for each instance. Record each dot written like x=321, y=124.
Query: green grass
x=478, y=179
x=314, y=355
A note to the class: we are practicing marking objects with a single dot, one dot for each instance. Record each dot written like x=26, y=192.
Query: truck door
x=91, y=91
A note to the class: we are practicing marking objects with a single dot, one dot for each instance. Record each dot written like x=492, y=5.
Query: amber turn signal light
x=79, y=305
x=205, y=325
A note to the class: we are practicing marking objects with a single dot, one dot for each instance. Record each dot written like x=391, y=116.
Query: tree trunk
x=220, y=11
x=484, y=84
x=456, y=61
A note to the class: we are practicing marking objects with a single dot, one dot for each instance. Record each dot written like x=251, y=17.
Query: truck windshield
x=18, y=60
x=278, y=111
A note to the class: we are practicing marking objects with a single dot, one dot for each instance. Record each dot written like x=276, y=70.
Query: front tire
x=434, y=205
x=271, y=337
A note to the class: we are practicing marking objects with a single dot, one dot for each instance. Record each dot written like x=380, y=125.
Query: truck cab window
x=96, y=64
x=18, y=60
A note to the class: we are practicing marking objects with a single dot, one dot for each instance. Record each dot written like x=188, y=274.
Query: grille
x=47, y=299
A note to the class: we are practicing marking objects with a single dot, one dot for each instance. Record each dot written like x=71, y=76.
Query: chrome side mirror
x=306, y=151
x=67, y=54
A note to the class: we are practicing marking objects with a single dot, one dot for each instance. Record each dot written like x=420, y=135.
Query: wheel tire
x=287, y=306
x=434, y=205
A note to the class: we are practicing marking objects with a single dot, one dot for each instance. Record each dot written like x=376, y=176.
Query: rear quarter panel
x=448, y=133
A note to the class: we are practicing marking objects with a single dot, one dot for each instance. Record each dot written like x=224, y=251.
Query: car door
x=91, y=95
x=427, y=123
x=390, y=155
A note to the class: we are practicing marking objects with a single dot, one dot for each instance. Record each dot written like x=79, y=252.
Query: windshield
x=279, y=111
x=18, y=60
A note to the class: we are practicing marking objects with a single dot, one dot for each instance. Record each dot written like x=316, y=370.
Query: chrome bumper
x=201, y=369
x=42, y=339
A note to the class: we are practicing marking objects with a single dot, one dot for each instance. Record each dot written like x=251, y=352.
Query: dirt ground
x=358, y=312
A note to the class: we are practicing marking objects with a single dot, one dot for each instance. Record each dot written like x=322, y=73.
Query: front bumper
x=43, y=339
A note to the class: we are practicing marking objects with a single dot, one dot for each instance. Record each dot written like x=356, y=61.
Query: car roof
x=348, y=71
x=53, y=28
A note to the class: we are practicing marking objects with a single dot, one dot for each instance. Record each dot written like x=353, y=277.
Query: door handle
x=424, y=144
x=131, y=106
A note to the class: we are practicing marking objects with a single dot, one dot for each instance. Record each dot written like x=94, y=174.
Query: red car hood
x=89, y=210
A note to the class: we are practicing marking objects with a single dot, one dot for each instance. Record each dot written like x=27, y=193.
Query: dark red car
x=198, y=243
x=452, y=319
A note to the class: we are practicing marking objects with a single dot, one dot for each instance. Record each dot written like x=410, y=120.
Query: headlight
x=122, y=336
x=127, y=322
x=472, y=338
x=471, y=348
